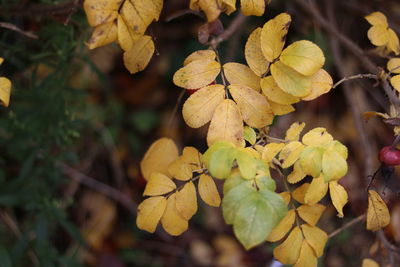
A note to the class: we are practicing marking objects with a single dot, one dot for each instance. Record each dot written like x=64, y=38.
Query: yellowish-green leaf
x=253, y=106
x=158, y=184
x=180, y=170
x=226, y=124
x=126, y=35
x=171, y=220
x=271, y=150
x=200, y=106
x=303, y=56
x=273, y=36
x=291, y=81
x=186, y=201
x=317, y=137
x=149, y=213
x=307, y=256
x=288, y=252
x=200, y=55
x=395, y=82
x=377, y=18
x=139, y=55
x=311, y=161
x=158, y=157
x=247, y=163
x=300, y=192
x=279, y=231
x=338, y=148
x=321, y=83
x=101, y=11
x=252, y=7
x=250, y=135
x=334, y=166
x=240, y=74
x=369, y=263
x=272, y=91
x=315, y=237
x=311, y=214
x=378, y=215
x=393, y=65
x=197, y=74
x=338, y=196
x=316, y=191
x=294, y=131
x=208, y=191
x=297, y=174
x=290, y=153
x=279, y=109
x=253, y=53
x=103, y=34
x=5, y=91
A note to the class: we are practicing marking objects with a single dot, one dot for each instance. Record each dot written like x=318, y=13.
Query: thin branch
x=105, y=189
x=347, y=225
x=235, y=24
x=13, y=27
x=173, y=114
x=358, y=76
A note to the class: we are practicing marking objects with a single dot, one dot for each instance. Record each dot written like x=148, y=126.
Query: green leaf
x=232, y=181
x=247, y=164
x=250, y=135
x=311, y=161
x=334, y=166
x=233, y=199
x=265, y=182
x=221, y=161
x=216, y=146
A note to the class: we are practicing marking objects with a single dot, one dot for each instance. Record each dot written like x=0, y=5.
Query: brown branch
x=353, y=77
x=13, y=27
x=347, y=225
x=235, y=24
x=105, y=189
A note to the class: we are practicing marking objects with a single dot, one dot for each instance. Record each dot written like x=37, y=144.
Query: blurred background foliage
x=78, y=124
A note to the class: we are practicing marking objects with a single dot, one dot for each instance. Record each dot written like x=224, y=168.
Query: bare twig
x=12, y=27
x=353, y=77
x=347, y=225
x=105, y=189
x=235, y=24
x=173, y=114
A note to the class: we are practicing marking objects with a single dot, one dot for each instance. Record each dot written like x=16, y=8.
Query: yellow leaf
x=279, y=231
x=300, y=192
x=150, y=212
x=338, y=196
x=200, y=55
x=158, y=157
x=186, y=201
x=253, y=106
x=297, y=174
x=393, y=65
x=103, y=34
x=271, y=150
x=209, y=7
x=158, y=184
x=200, y=106
x=240, y=74
x=307, y=256
x=226, y=124
x=279, y=109
x=171, y=220
x=126, y=36
x=311, y=161
x=5, y=91
x=378, y=215
x=180, y=170
x=252, y=7
x=294, y=131
x=311, y=214
x=138, y=14
x=315, y=237
x=197, y=74
x=273, y=36
x=317, y=137
x=395, y=81
x=208, y=191
x=316, y=191
x=393, y=42
x=288, y=252
x=1, y=60
x=272, y=91
x=303, y=56
x=286, y=197
x=290, y=153
x=377, y=18
x=378, y=35
x=253, y=53
x=369, y=263
x=291, y=81
x=321, y=83
x=334, y=166
x=139, y=55
x=338, y=148
x=101, y=11
x=192, y=157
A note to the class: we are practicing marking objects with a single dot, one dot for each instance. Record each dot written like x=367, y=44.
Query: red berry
x=390, y=156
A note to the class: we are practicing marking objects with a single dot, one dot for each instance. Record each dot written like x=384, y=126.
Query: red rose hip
x=390, y=156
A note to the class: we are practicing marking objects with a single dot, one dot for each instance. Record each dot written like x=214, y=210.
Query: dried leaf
x=101, y=11
x=139, y=55
x=378, y=215
x=252, y=7
x=103, y=34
